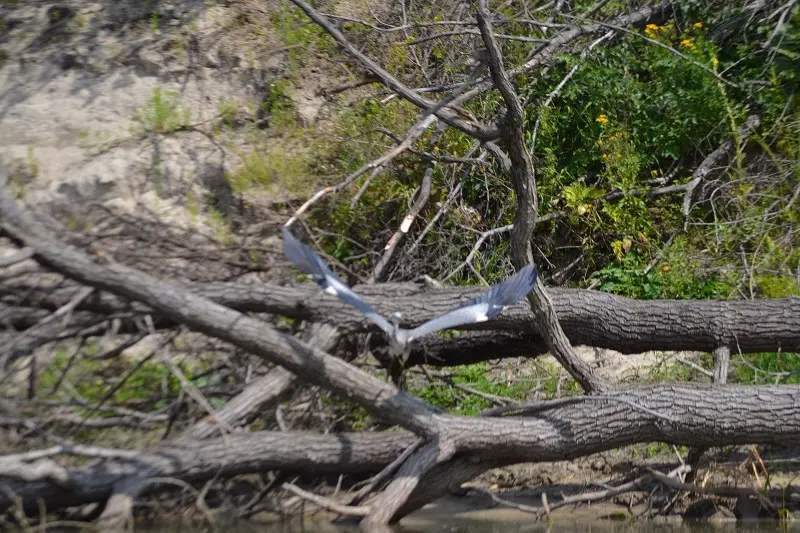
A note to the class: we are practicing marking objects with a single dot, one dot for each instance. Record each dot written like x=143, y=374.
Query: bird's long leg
x=397, y=367
x=425, y=356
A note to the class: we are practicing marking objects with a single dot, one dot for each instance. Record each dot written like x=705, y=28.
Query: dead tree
x=435, y=451
x=675, y=413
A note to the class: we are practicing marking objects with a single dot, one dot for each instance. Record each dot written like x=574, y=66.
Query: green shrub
x=273, y=166
x=475, y=376
x=162, y=114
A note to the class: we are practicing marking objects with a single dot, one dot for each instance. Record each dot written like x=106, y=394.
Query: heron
x=479, y=309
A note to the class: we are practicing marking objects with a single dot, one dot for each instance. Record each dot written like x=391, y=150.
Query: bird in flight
x=484, y=307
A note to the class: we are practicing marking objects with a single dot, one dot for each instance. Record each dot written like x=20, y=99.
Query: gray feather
x=307, y=261
x=488, y=305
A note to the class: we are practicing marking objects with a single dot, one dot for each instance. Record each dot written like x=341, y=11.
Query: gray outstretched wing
x=488, y=305
x=306, y=260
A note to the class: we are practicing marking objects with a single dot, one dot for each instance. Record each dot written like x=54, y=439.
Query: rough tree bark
x=201, y=460
x=523, y=179
x=566, y=429
x=588, y=317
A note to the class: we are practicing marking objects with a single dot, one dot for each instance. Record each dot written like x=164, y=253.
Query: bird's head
x=396, y=318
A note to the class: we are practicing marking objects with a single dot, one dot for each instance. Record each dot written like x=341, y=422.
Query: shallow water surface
x=458, y=524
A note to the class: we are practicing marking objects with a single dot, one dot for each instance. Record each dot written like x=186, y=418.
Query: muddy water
x=473, y=515
x=451, y=517
x=476, y=525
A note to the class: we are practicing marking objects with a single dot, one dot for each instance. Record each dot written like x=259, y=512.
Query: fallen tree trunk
x=301, y=452
x=588, y=318
x=553, y=431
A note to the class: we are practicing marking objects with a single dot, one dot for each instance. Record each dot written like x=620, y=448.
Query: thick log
x=240, y=453
x=701, y=416
x=589, y=318
x=561, y=430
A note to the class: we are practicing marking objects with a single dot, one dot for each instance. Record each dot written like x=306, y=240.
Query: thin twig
x=375, y=165
x=562, y=83
x=485, y=235
x=476, y=32
x=326, y=503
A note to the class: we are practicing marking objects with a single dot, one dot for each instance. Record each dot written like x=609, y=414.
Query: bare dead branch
x=481, y=239
x=636, y=484
x=715, y=158
x=501, y=36
x=202, y=460
x=448, y=116
x=262, y=393
x=421, y=200
x=588, y=317
x=375, y=165
x=386, y=473
x=408, y=478
x=40, y=470
x=522, y=177
x=327, y=503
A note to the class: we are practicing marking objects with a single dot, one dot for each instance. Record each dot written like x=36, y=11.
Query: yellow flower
x=602, y=119
x=650, y=29
x=618, y=154
x=666, y=268
x=654, y=172
x=698, y=25
x=714, y=62
x=687, y=43
x=605, y=156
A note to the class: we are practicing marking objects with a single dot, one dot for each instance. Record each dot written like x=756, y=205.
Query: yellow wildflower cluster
x=688, y=43
x=602, y=119
x=698, y=25
x=651, y=29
